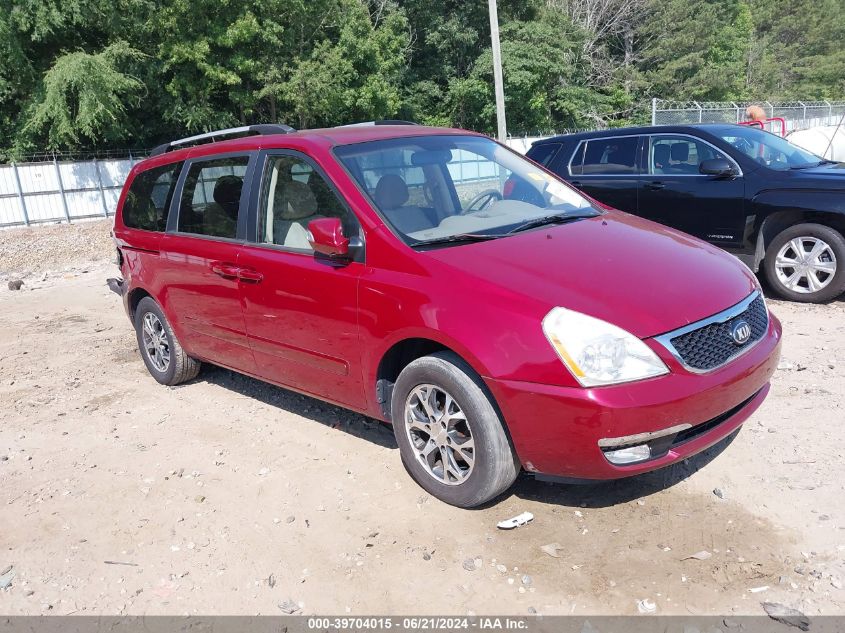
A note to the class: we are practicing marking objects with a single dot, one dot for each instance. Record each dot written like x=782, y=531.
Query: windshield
x=768, y=149
x=437, y=187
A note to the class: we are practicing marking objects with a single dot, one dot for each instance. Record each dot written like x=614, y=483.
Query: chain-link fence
x=798, y=115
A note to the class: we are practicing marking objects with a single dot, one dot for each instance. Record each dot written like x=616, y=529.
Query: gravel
x=55, y=247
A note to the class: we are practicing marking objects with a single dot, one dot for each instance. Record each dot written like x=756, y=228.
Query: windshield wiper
x=824, y=161
x=557, y=218
x=460, y=238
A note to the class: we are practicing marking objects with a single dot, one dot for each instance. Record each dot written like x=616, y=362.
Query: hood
x=638, y=275
x=828, y=175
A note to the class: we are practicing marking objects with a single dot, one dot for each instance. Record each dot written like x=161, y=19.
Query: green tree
x=84, y=97
x=356, y=77
x=697, y=49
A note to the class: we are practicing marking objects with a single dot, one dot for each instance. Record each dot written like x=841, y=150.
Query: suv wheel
x=163, y=355
x=450, y=436
x=806, y=263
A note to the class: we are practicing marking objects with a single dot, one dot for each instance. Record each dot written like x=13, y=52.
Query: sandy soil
x=230, y=496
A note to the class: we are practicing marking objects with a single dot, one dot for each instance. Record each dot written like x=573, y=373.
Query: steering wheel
x=483, y=201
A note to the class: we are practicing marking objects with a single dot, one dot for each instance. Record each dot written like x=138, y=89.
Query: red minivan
x=439, y=281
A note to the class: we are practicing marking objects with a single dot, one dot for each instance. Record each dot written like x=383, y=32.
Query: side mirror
x=327, y=239
x=716, y=167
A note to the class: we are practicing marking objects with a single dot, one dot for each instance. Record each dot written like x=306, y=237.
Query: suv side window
x=607, y=156
x=148, y=200
x=211, y=197
x=293, y=194
x=672, y=154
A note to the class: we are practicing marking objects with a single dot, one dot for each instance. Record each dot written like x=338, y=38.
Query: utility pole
x=497, y=71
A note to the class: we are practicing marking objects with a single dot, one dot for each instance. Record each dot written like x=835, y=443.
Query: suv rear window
x=606, y=156
x=148, y=199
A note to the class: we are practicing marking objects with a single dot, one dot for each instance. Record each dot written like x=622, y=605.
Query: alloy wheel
x=440, y=434
x=155, y=342
x=805, y=264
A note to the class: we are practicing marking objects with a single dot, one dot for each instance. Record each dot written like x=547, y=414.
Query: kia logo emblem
x=741, y=332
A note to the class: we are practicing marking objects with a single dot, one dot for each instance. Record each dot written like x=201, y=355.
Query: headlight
x=598, y=353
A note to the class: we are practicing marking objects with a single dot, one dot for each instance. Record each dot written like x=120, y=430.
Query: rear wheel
x=164, y=357
x=450, y=436
x=806, y=263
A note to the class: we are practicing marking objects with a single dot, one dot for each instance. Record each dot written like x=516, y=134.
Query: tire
x=179, y=367
x=473, y=416
x=783, y=250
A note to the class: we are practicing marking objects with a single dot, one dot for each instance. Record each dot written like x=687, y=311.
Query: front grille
x=712, y=344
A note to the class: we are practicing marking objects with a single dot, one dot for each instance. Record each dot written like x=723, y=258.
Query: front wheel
x=806, y=263
x=450, y=436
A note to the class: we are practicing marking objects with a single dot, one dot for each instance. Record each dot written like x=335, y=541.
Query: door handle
x=656, y=185
x=250, y=275
x=229, y=271
x=575, y=183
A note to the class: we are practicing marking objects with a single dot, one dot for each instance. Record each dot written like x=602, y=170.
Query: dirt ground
x=230, y=496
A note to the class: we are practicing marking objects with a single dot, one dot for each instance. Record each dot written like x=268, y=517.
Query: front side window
x=148, y=199
x=440, y=186
x=609, y=157
x=768, y=149
x=679, y=155
x=211, y=197
x=294, y=194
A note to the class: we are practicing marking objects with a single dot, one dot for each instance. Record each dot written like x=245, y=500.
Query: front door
x=676, y=194
x=200, y=252
x=301, y=311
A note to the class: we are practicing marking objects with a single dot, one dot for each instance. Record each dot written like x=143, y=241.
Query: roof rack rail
x=382, y=122
x=219, y=135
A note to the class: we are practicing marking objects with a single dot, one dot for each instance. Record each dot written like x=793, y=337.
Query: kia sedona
x=431, y=278
x=776, y=206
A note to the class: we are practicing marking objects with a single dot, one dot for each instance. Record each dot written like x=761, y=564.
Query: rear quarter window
x=148, y=200
x=543, y=153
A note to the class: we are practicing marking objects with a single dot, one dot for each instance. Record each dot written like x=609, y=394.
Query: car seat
x=294, y=205
x=391, y=195
x=680, y=154
x=220, y=217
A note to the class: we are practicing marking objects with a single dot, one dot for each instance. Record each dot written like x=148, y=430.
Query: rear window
x=211, y=197
x=606, y=156
x=148, y=200
x=544, y=153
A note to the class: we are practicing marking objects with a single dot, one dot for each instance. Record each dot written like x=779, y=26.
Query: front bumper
x=556, y=430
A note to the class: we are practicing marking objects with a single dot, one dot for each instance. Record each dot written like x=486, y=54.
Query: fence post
x=700, y=111
x=61, y=188
x=654, y=111
x=20, y=193
x=738, y=115
x=829, y=112
x=100, y=187
x=804, y=116
x=771, y=109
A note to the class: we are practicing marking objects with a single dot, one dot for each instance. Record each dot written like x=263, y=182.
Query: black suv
x=767, y=201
